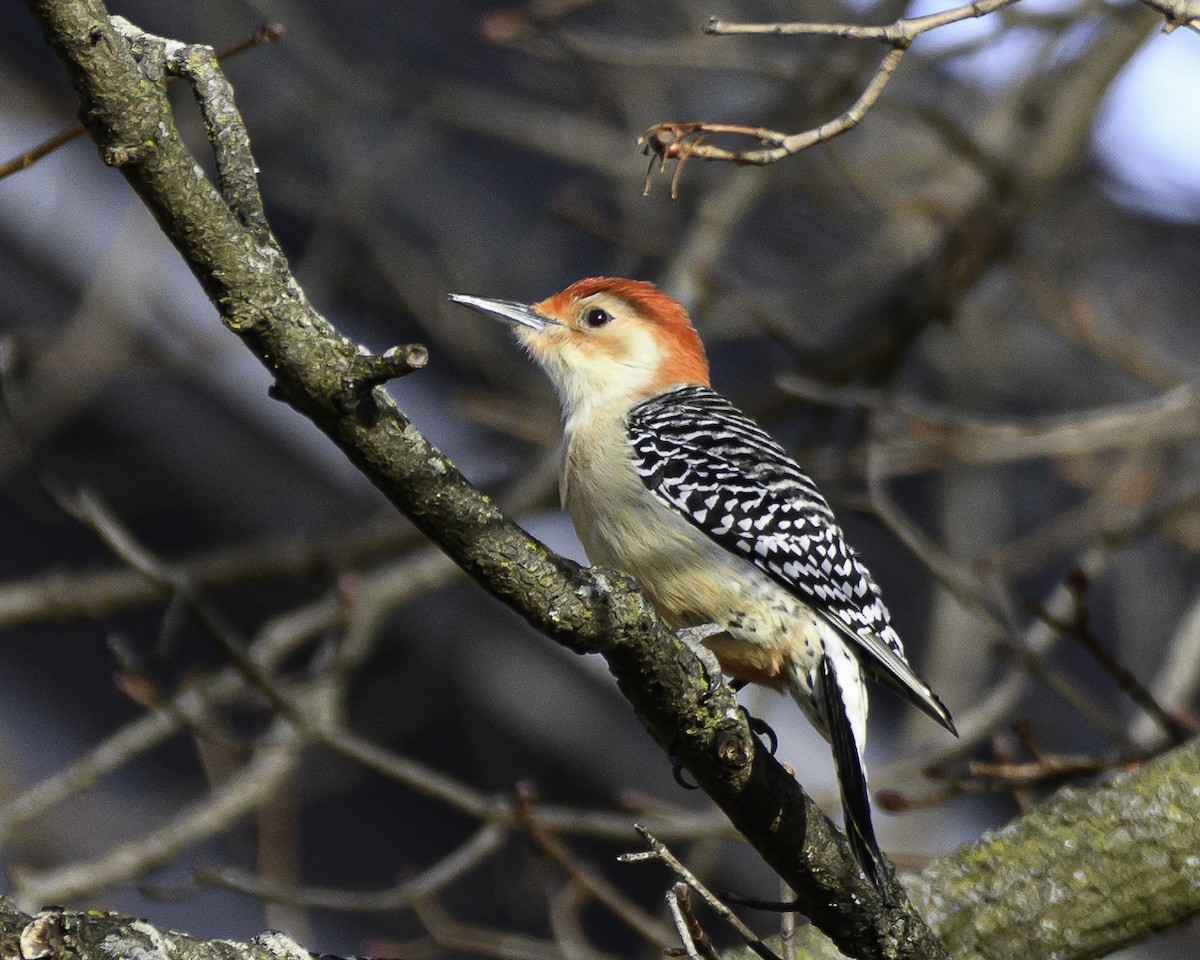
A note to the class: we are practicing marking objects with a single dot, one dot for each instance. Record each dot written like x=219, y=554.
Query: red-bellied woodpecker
x=669, y=481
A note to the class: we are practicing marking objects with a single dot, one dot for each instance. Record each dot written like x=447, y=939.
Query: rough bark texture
x=1092, y=871
x=95, y=934
x=1086, y=873
x=1082, y=874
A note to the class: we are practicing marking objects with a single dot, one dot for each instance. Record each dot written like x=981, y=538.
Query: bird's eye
x=597, y=317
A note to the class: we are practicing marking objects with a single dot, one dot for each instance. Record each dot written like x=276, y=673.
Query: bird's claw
x=760, y=728
x=693, y=638
x=677, y=773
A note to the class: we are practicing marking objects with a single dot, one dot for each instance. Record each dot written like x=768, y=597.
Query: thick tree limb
x=120, y=75
x=1089, y=872
x=96, y=935
x=1085, y=874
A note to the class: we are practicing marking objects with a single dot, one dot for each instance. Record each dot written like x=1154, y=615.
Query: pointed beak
x=510, y=311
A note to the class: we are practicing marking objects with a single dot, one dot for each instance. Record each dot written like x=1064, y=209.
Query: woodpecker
x=667, y=480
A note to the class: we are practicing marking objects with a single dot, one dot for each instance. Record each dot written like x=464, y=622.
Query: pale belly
x=693, y=581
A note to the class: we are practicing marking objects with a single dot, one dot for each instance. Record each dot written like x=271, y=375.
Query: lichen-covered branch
x=1084, y=874
x=1087, y=873
x=95, y=935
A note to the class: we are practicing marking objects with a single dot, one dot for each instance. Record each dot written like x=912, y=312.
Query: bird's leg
x=693, y=638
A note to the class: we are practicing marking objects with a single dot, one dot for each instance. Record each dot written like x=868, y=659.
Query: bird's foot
x=678, y=773
x=693, y=638
x=760, y=728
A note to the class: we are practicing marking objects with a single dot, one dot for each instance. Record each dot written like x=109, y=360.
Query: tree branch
x=682, y=141
x=1120, y=857
x=991, y=898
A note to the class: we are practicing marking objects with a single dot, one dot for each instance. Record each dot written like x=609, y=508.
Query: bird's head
x=606, y=343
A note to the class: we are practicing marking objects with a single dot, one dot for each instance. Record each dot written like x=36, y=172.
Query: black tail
x=852, y=778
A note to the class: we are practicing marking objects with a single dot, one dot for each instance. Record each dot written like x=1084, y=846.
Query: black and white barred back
x=705, y=459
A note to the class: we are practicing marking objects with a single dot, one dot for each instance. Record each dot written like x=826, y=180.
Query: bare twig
x=457, y=937
x=696, y=943
x=565, y=913
x=1071, y=690
x=266, y=34
x=787, y=924
x=599, y=888
x=66, y=595
x=1179, y=13
x=680, y=141
x=276, y=641
x=227, y=804
x=900, y=33
x=87, y=508
x=1178, y=677
x=468, y=856
x=658, y=851
x=1079, y=628
x=936, y=437
x=464, y=798
x=1004, y=776
x=1113, y=339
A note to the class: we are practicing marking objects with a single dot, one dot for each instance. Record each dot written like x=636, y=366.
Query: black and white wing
x=708, y=461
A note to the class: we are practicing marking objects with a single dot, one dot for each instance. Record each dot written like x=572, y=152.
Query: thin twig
x=787, y=924
x=675, y=140
x=469, y=939
x=62, y=596
x=604, y=892
x=461, y=796
x=680, y=141
x=1071, y=691
x=659, y=851
x=266, y=34
x=902, y=31
x=191, y=824
x=470, y=855
x=696, y=943
x=85, y=507
x=1179, y=673
x=565, y=913
x=1179, y=13
x=1079, y=628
